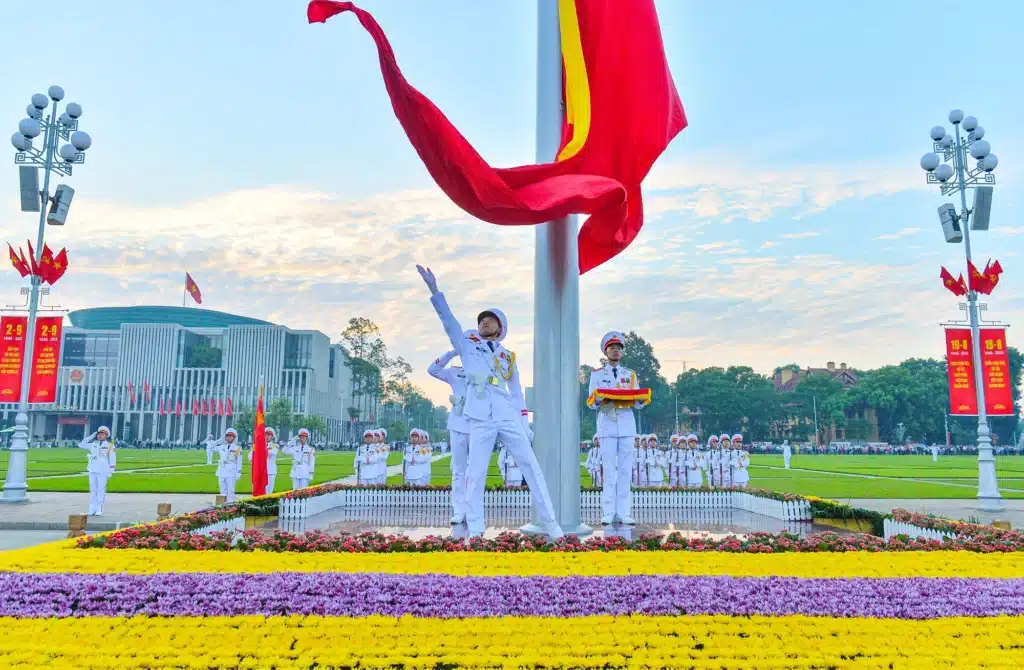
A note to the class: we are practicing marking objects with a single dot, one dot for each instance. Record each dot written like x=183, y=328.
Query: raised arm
x=87, y=442
x=451, y=325
x=439, y=370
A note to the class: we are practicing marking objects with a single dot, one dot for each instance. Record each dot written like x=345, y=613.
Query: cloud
x=1011, y=231
x=903, y=232
x=801, y=236
x=309, y=259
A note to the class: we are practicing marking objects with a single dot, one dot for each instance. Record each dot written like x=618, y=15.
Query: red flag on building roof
x=259, y=450
x=621, y=112
x=192, y=288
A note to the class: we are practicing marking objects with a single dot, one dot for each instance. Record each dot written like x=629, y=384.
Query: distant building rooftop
x=111, y=318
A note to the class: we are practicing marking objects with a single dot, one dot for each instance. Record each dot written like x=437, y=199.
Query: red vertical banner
x=963, y=400
x=995, y=368
x=12, y=356
x=42, y=387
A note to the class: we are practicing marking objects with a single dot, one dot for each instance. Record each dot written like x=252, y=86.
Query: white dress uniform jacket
x=101, y=465
x=613, y=421
x=456, y=378
x=303, y=461
x=490, y=396
x=273, y=449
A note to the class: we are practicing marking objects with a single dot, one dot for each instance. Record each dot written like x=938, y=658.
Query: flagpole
x=556, y=342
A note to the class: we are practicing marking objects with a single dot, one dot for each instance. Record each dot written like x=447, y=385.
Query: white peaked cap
x=737, y=436
x=231, y=431
x=270, y=430
x=610, y=337
x=675, y=437
x=502, y=319
x=304, y=431
x=384, y=433
x=103, y=429
x=691, y=436
x=367, y=433
x=724, y=436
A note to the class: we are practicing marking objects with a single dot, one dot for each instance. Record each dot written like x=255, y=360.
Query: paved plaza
x=50, y=511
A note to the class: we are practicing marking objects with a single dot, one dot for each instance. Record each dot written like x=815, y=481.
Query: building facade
x=177, y=374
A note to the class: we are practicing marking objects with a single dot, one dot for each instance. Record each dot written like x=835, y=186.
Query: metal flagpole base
x=990, y=504
x=581, y=530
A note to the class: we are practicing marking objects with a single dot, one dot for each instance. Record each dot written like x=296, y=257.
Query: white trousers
x=227, y=488
x=300, y=482
x=460, y=457
x=420, y=481
x=270, y=482
x=617, y=459
x=97, y=492
x=785, y=461
x=209, y=458
x=481, y=444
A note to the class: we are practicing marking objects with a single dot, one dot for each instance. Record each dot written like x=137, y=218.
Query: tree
x=398, y=430
x=243, y=421
x=316, y=425
x=202, y=355
x=279, y=416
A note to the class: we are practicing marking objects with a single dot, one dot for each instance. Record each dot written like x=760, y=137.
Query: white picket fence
x=893, y=528
x=517, y=500
x=235, y=524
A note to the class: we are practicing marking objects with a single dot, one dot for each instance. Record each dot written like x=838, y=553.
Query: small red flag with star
x=18, y=263
x=192, y=288
x=59, y=267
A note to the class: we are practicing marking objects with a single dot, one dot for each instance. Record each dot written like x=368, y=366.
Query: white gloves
x=526, y=429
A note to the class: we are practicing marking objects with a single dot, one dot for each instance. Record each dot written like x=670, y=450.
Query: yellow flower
x=63, y=556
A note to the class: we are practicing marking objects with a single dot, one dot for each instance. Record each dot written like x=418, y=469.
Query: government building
x=175, y=374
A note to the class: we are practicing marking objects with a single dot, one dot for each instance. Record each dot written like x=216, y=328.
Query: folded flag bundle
x=622, y=397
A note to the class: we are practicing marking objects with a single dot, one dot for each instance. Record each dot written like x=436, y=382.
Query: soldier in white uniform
x=594, y=455
x=616, y=430
x=303, y=460
x=421, y=457
x=674, y=462
x=458, y=430
x=725, y=461
x=511, y=473
x=209, y=449
x=229, y=452
x=656, y=463
x=362, y=459
x=408, y=472
x=714, y=456
x=494, y=412
x=273, y=448
x=741, y=463
x=380, y=458
x=694, y=463
x=787, y=453
x=102, y=463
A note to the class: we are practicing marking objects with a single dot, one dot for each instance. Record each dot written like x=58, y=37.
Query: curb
x=93, y=526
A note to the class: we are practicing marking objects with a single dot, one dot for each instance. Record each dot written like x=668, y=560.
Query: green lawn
x=185, y=471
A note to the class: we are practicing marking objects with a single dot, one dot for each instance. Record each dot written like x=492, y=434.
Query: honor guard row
x=419, y=454
x=372, y=458
x=723, y=464
x=229, y=460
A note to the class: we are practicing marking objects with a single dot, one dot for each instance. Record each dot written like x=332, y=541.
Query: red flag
x=145, y=390
x=60, y=266
x=195, y=407
x=131, y=392
x=18, y=263
x=621, y=111
x=178, y=410
x=228, y=408
x=46, y=264
x=949, y=282
x=162, y=410
x=193, y=289
x=259, y=451
x=975, y=280
x=220, y=408
x=32, y=259
x=205, y=410
x=961, y=284
x=992, y=273
x=213, y=407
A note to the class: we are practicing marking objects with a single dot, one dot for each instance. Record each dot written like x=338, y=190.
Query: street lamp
x=947, y=166
x=51, y=128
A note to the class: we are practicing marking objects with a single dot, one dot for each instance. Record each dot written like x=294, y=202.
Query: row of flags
x=50, y=267
x=200, y=406
x=983, y=282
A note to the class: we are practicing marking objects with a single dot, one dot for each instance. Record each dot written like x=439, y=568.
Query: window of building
x=200, y=351
x=298, y=351
x=90, y=351
x=330, y=365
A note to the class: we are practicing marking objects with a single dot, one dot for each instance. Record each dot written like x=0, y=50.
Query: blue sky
x=789, y=222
